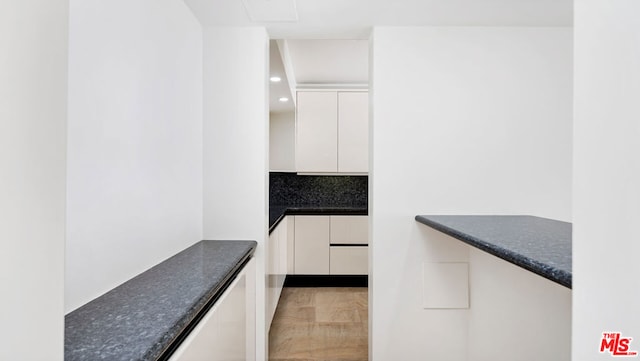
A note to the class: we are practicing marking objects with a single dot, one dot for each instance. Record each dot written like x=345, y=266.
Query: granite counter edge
x=549, y=272
x=317, y=211
x=162, y=348
x=212, y=297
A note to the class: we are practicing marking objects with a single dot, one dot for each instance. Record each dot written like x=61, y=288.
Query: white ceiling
x=353, y=19
x=342, y=62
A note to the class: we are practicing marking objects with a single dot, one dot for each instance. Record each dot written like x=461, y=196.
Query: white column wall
x=135, y=140
x=236, y=154
x=465, y=121
x=33, y=111
x=518, y=308
x=606, y=204
x=282, y=142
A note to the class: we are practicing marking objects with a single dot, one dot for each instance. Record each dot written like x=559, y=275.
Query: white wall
x=513, y=306
x=282, y=142
x=466, y=121
x=606, y=204
x=135, y=140
x=236, y=144
x=33, y=110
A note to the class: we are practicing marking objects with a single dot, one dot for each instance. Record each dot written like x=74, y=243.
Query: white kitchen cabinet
x=353, y=259
x=311, y=245
x=227, y=331
x=314, y=237
x=316, y=130
x=353, y=132
x=270, y=281
x=332, y=132
x=291, y=221
x=278, y=257
x=349, y=230
x=349, y=260
x=283, y=253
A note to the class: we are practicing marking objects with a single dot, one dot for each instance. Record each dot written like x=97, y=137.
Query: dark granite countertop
x=540, y=245
x=145, y=316
x=277, y=213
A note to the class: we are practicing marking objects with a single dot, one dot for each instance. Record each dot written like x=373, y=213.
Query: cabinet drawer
x=349, y=229
x=346, y=260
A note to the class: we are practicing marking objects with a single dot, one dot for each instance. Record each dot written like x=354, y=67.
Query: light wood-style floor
x=320, y=324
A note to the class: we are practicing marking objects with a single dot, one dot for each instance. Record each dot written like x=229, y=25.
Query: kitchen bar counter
x=540, y=245
x=146, y=317
x=277, y=213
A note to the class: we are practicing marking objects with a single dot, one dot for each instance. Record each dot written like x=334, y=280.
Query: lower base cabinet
x=331, y=245
x=311, y=245
x=227, y=331
x=279, y=263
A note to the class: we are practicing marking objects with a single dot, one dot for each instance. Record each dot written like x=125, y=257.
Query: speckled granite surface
x=277, y=213
x=540, y=245
x=290, y=189
x=292, y=194
x=140, y=319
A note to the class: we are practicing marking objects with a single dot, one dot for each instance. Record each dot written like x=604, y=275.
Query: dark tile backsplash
x=290, y=189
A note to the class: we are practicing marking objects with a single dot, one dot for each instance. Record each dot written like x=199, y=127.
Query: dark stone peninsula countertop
x=540, y=245
x=149, y=315
x=277, y=213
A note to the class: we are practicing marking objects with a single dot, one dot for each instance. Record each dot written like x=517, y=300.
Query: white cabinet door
x=291, y=221
x=282, y=257
x=272, y=262
x=353, y=132
x=232, y=334
x=311, y=245
x=349, y=260
x=349, y=230
x=277, y=263
x=316, y=132
x=225, y=332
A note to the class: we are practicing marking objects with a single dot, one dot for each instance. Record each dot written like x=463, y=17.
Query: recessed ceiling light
x=275, y=79
x=284, y=99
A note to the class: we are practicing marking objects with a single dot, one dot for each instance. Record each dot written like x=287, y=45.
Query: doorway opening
x=318, y=248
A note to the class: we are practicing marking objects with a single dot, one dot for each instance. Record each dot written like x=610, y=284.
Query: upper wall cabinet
x=353, y=132
x=316, y=132
x=332, y=132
